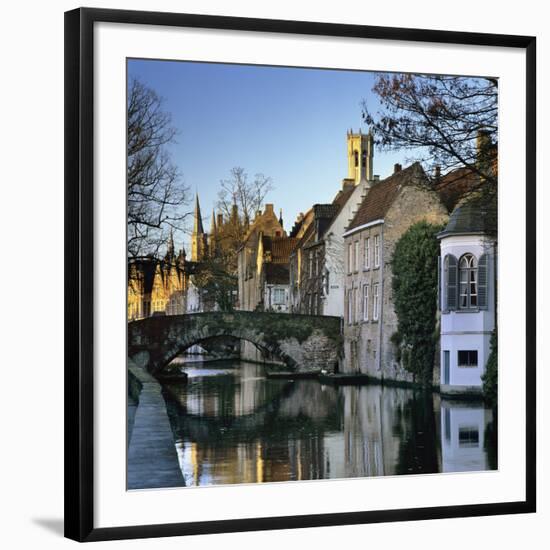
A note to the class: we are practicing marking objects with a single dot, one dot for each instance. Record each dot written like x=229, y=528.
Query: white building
x=360, y=148
x=468, y=294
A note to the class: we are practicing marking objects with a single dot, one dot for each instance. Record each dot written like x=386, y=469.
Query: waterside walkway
x=152, y=457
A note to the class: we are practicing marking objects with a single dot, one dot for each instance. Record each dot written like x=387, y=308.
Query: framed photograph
x=300, y=274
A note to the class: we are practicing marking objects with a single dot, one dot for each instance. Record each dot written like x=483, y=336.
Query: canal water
x=233, y=425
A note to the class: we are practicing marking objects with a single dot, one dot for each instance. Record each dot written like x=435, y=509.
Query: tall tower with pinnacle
x=212, y=244
x=171, y=251
x=198, y=238
x=360, y=156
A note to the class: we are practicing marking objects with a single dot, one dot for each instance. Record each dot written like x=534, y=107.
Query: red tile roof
x=381, y=195
x=454, y=185
x=280, y=248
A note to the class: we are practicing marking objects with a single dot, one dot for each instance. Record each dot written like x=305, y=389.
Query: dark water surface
x=233, y=425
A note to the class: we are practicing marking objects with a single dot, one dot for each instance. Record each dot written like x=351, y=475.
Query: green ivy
x=490, y=378
x=415, y=298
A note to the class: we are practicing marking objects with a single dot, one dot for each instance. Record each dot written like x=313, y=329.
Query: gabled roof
x=342, y=197
x=455, y=184
x=324, y=210
x=306, y=237
x=279, y=247
x=477, y=215
x=381, y=195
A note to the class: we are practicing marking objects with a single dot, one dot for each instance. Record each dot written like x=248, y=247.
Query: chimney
x=376, y=177
x=269, y=209
x=347, y=183
x=397, y=168
x=437, y=172
x=220, y=219
x=483, y=151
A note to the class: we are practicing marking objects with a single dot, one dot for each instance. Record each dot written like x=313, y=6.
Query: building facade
x=263, y=273
x=389, y=208
x=317, y=274
x=265, y=243
x=468, y=294
x=159, y=287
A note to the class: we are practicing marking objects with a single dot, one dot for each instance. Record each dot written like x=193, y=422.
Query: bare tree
x=247, y=195
x=438, y=119
x=156, y=193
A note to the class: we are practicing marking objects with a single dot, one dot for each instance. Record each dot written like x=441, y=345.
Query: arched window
x=364, y=159
x=356, y=157
x=467, y=276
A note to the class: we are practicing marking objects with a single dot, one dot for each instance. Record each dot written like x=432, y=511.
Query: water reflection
x=233, y=425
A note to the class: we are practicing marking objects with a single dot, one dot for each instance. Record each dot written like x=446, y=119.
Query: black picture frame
x=79, y=272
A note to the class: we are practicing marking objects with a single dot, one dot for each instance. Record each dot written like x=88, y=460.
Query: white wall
x=31, y=407
x=464, y=330
x=333, y=303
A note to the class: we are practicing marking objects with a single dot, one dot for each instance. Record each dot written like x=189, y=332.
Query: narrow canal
x=232, y=424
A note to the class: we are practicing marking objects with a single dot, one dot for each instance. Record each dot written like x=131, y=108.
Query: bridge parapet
x=304, y=342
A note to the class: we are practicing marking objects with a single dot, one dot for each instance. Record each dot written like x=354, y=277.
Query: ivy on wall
x=414, y=283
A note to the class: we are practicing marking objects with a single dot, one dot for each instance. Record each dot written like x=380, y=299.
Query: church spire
x=213, y=228
x=212, y=238
x=197, y=227
x=171, y=249
x=198, y=238
x=281, y=217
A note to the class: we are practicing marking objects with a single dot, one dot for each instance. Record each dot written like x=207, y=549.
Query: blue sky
x=287, y=123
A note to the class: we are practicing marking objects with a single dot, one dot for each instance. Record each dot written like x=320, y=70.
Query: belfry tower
x=199, y=237
x=360, y=156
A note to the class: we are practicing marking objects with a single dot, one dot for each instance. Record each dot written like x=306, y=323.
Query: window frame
x=366, y=253
x=377, y=250
x=471, y=278
x=375, y=301
x=350, y=306
x=278, y=291
x=366, y=302
x=468, y=364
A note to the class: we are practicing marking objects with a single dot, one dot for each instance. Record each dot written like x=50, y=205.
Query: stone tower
x=199, y=237
x=360, y=155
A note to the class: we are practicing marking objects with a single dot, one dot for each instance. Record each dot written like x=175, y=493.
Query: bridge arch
x=305, y=343
x=180, y=347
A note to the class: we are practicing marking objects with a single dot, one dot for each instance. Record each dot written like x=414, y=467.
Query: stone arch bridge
x=304, y=343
